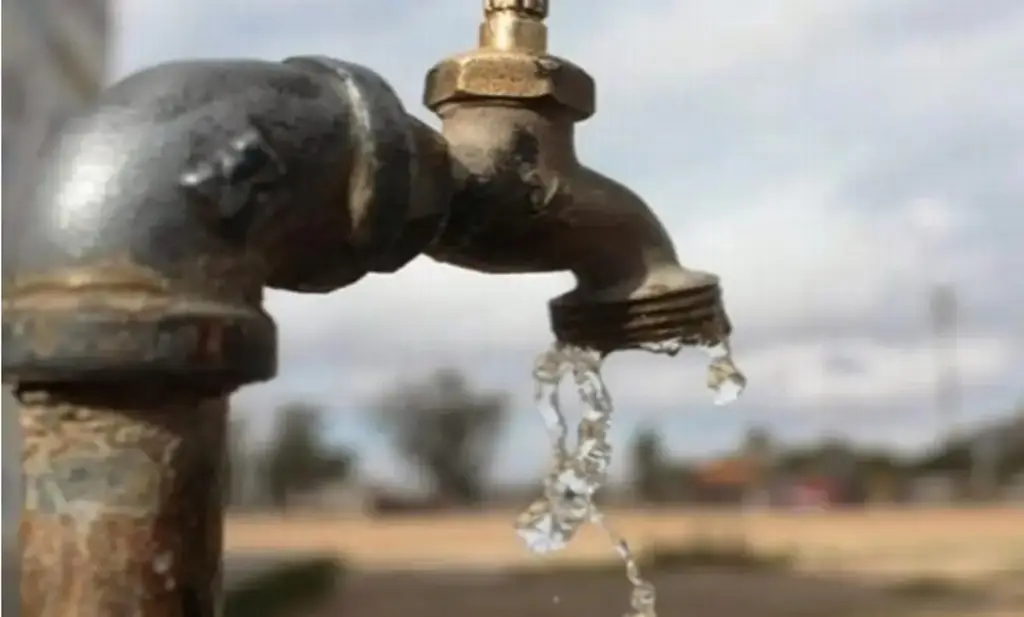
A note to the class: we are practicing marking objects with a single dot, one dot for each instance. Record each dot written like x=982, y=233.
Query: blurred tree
x=448, y=429
x=832, y=457
x=758, y=443
x=759, y=451
x=989, y=456
x=837, y=458
x=649, y=467
x=881, y=475
x=1011, y=462
x=950, y=457
x=797, y=461
x=297, y=459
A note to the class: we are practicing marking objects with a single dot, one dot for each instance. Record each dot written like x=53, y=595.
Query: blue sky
x=830, y=160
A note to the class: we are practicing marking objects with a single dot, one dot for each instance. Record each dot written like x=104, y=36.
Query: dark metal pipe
x=134, y=274
x=123, y=502
x=158, y=217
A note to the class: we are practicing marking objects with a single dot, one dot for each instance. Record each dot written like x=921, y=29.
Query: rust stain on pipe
x=123, y=503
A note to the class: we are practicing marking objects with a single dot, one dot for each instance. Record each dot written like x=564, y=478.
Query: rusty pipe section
x=524, y=202
x=123, y=502
x=133, y=278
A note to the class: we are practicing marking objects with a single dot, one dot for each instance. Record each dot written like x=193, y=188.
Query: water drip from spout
x=724, y=379
x=567, y=501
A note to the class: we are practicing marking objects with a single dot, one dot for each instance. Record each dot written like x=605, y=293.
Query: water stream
x=567, y=501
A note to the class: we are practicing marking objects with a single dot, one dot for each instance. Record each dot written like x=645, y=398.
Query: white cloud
x=745, y=125
x=796, y=254
x=933, y=220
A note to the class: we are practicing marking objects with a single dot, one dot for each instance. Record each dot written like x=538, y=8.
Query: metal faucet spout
x=524, y=203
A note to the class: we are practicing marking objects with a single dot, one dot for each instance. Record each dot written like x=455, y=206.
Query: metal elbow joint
x=159, y=216
x=524, y=203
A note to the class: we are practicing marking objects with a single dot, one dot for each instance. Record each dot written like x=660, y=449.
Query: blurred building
x=726, y=480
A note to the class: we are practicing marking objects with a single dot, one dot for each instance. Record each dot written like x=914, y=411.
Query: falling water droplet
x=668, y=347
x=551, y=521
x=567, y=502
x=642, y=597
x=724, y=378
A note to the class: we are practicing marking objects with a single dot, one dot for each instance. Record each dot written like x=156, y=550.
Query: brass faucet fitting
x=523, y=202
x=515, y=25
x=512, y=62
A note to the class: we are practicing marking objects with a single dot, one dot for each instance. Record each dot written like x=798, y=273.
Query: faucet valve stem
x=515, y=26
x=538, y=9
x=511, y=64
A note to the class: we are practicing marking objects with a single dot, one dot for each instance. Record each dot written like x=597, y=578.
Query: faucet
x=135, y=266
x=524, y=203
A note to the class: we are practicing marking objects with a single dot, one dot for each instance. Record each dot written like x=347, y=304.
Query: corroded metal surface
x=123, y=503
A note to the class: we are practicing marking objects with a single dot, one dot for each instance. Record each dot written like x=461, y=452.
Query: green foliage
x=758, y=444
x=863, y=472
x=657, y=479
x=285, y=590
x=448, y=429
x=649, y=477
x=298, y=460
x=949, y=457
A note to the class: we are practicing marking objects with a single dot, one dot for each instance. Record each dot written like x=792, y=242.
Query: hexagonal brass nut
x=503, y=74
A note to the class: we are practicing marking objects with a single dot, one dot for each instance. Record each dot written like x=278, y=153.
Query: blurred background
x=853, y=169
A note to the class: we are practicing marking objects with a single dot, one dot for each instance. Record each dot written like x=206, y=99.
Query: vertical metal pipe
x=123, y=508
x=131, y=311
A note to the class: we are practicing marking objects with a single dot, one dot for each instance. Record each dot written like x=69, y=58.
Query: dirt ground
x=880, y=563
x=689, y=594
x=965, y=542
